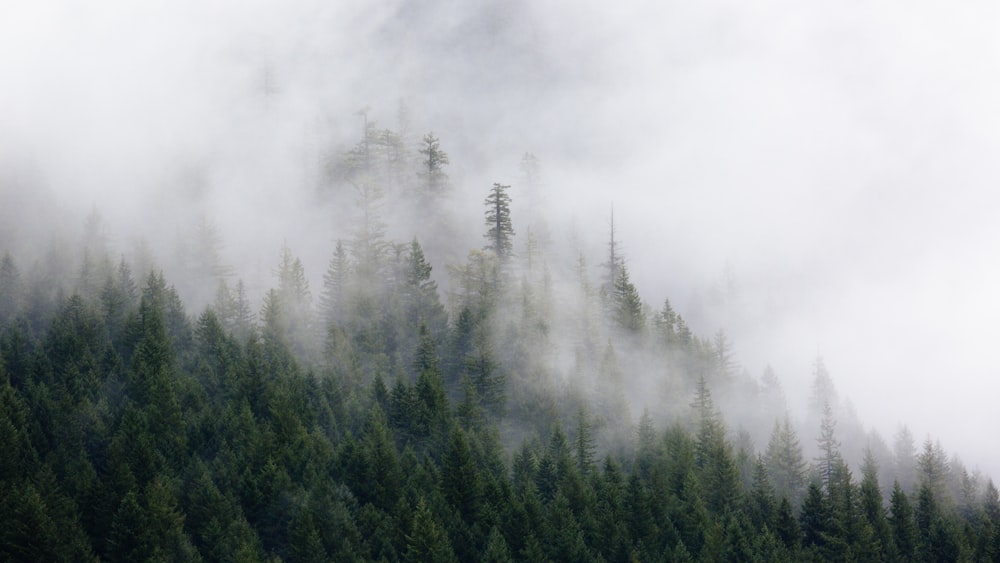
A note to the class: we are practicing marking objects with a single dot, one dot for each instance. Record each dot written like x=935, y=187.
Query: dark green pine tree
x=434, y=409
x=152, y=377
x=460, y=479
x=583, y=441
x=382, y=480
x=611, y=531
x=872, y=509
x=427, y=541
x=761, y=504
x=626, y=304
x=717, y=471
x=487, y=377
x=421, y=294
x=129, y=540
x=785, y=464
x=815, y=520
x=988, y=544
x=459, y=347
x=11, y=290
x=499, y=234
x=496, y=550
x=665, y=323
x=786, y=528
x=901, y=522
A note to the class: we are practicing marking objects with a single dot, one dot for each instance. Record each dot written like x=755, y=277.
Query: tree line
x=383, y=420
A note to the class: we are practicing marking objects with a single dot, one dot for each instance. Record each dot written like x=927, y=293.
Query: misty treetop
x=505, y=406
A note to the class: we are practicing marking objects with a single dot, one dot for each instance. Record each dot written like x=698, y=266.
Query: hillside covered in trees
x=508, y=403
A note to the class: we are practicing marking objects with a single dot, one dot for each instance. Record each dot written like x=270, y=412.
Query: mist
x=831, y=166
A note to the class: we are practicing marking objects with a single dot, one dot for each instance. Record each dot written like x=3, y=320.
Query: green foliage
x=130, y=432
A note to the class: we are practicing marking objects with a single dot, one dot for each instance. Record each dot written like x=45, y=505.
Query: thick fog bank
x=813, y=179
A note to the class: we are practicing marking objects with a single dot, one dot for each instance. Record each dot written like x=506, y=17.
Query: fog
x=832, y=165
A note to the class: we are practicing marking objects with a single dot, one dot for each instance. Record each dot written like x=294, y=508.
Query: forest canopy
x=518, y=408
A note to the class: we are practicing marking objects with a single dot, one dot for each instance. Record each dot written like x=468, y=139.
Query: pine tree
x=627, y=306
x=665, y=322
x=871, y=499
x=427, y=541
x=499, y=234
x=10, y=289
x=904, y=530
x=434, y=181
x=713, y=454
x=335, y=285
x=904, y=460
x=430, y=392
x=829, y=448
x=421, y=294
x=460, y=479
x=815, y=519
x=785, y=464
x=583, y=442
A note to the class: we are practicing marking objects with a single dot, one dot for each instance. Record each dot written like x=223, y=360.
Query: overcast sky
x=839, y=157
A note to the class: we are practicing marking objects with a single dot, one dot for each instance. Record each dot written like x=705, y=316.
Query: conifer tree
x=500, y=233
x=460, y=479
x=426, y=540
x=335, y=284
x=786, y=466
x=583, y=441
x=829, y=459
x=433, y=179
x=713, y=454
x=627, y=306
x=904, y=530
x=871, y=506
x=10, y=288
x=430, y=392
x=904, y=460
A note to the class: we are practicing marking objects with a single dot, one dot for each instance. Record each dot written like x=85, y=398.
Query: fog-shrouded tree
x=433, y=179
x=11, y=291
x=829, y=459
x=335, y=287
x=626, y=305
x=786, y=466
x=904, y=455
x=294, y=304
x=500, y=232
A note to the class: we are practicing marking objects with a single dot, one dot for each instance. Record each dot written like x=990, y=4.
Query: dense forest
x=528, y=408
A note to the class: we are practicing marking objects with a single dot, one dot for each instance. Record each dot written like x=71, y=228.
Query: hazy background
x=835, y=163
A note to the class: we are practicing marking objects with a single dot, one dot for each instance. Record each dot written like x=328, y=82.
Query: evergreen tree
x=426, y=540
x=904, y=460
x=829, y=459
x=785, y=464
x=627, y=306
x=871, y=506
x=583, y=442
x=815, y=519
x=433, y=179
x=904, y=530
x=335, y=287
x=430, y=392
x=713, y=454
x=499, y=234
x=10, y=289
x=460, y=480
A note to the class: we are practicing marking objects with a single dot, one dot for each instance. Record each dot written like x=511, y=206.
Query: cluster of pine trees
x=378, y=422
